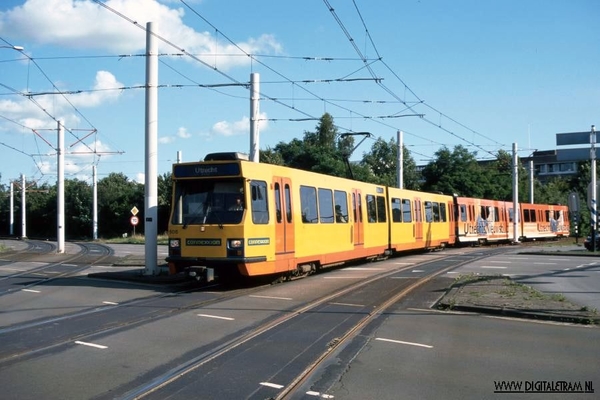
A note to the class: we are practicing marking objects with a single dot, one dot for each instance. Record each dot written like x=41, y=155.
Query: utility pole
x=151, y=176
x=94, y=203
x=400, y=160
x=60, y=188
x=254, y=115
x=516, y=214
x=23, y=206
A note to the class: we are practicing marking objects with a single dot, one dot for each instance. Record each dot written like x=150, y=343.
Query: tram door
x=284, y=219
x=418, y=220
x=357, y=218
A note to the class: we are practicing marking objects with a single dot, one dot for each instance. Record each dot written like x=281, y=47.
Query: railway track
x=204, y=370
x=47, y=264
x=291, y=342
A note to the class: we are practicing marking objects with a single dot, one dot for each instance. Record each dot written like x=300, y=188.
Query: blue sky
x=484, y=74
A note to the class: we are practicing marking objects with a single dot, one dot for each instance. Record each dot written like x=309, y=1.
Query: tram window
x=396, y=210
x=288, y=203
x=381, y=209
x=428, y=211
x=354, y=206
x=260, y=210
x=463, y=212
x=442, y=212
x=496, y=214
x=436, y=211
x=511, y=213
x=326, y=206
x=308, y=202
x=406, y=217
x=341, y=206
x=277, y=193
x=360, y=213
x=371, y=208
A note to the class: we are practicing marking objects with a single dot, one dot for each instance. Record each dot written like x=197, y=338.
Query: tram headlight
x=236, y=243
x=174, y=247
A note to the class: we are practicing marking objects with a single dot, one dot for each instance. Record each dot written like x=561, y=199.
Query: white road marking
x=98, y=346
x=273, y=385
x=216, y=316
x=404, y=263
x=68, y=265
x=321, y=395
x=402, y=277
x=348, y=304
x=110, y=303
x=452, y=272
x=543, y=263
x=500, y=262
x=30, y=290
x=343, y=277
x=408, y=343
x=490, y=267
x=418, y=270
x=270, y=297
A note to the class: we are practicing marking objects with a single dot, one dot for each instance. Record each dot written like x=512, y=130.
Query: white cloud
x=241, y=127
x=166, y=139
x=84, y=24
x=183, y=133
x=140, y=177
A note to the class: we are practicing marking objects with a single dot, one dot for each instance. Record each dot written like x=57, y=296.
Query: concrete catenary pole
x=94, y=203
x=23, y=209
x=12, y=209
x=60, y=189
x=151, y=177
x=516, y=217
x=254, y=115
x=400, y=161
x=531, y=181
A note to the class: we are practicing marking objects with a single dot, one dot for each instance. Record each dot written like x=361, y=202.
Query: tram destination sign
x=205, y=170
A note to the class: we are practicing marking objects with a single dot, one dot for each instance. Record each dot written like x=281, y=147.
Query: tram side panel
x=420, y=220
x=543, y=221
x=482, y=221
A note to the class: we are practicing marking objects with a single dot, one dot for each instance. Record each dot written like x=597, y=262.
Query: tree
x=456, y=172
x=116, y=197
x=165, y=194
x=382, y=161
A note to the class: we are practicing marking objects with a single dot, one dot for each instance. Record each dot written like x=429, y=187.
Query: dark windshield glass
x=208, y=202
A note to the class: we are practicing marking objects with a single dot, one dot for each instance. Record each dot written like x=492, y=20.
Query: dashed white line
x=343, y=277
x=402, y=342
x=418, y=270
x=112, y=303
x=491, y=267
x=348, y=304
x=321, y=395
x=273, y=385
x=543, y=263
x=500, y=262
x=216, y=317
x=270, y=297
x=97, y=346
x=68, y=265
x=30, y=291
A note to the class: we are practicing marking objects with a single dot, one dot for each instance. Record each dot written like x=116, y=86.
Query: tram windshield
x=199, y=202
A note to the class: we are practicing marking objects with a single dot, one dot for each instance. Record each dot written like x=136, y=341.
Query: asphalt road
x=145, y=331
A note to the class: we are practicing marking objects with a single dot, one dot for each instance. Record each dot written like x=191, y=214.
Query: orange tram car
x=235, y=218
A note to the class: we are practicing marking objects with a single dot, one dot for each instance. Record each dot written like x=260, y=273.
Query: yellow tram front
x=220, y=218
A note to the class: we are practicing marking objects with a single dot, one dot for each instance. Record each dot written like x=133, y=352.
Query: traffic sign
x=134, y=220
x=134, y=211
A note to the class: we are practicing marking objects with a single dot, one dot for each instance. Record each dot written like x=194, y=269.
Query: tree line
x=324, y=150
